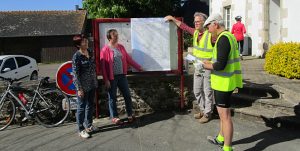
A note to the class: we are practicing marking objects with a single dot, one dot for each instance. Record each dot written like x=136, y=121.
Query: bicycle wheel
x=53, y=109
x=7, y=113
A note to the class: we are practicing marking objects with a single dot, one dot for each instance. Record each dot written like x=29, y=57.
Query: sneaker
x=204, y=119
x=92, y=129
x=220, y=148
x=214, y=141
x=198, y=115
x=117, y=121
x=241, y=56
x=84, y=134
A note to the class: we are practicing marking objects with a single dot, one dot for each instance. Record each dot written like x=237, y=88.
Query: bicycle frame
x=29, y=111
x=40, y=101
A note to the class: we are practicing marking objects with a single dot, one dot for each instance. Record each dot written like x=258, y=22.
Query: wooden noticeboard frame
x=179, y=70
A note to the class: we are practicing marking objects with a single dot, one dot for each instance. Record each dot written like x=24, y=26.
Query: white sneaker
x=84, y=134
x=92, y=129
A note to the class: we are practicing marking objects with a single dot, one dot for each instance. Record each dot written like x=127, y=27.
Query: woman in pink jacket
x=114, y=62
x=238, y=30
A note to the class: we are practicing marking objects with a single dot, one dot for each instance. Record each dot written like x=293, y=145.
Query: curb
x=274, y=110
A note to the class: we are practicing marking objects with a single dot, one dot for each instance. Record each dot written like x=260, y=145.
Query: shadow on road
x=252, y=92
x=278, y=129
x=139, y=122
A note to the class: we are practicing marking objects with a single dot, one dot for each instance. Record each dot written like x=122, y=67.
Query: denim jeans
x=85, y=106
x=120, y=81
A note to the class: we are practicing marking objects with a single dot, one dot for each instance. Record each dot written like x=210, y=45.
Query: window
x=227, y=17
x=21, y=61
x=1, y=62
x=9, y=63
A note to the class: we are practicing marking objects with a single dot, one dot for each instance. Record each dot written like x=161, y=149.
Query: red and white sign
x=64, y=79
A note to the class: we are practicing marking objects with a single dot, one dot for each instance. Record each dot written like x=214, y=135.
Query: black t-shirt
x=223, y=47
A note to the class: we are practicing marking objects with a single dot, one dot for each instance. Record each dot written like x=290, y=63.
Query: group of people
x=217, y=74
x=218, y=71
x=114, y=62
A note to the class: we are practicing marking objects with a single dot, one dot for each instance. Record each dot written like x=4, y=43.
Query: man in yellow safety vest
x=202, y=49
x=225, y=77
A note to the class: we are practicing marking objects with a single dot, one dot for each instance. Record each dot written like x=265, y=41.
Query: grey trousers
x=203, y=91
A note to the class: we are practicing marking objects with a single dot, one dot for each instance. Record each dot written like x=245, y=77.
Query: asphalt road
x=48, y=70
x=154, y=132
x=157, y=132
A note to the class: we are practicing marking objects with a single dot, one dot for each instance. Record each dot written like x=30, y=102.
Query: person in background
x=238, y=30
x=202, y=49
x=225, y=77
x=85, y=81
x=114, y=62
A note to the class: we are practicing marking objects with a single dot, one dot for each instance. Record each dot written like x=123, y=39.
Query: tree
x=130, y=8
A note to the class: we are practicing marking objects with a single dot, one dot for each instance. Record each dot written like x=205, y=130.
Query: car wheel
x=34, y=76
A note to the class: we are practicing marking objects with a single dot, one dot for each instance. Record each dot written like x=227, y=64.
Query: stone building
x=267, y=21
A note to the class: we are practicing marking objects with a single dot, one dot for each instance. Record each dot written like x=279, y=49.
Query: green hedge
x=283, y=59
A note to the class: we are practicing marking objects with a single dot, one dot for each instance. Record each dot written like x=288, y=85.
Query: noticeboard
x=160, y=60
x=153, y=43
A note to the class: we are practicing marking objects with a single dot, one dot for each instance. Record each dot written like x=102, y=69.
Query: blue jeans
x=85, y=107
x=120, y=81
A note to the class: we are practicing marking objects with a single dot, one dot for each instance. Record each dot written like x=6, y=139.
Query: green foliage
x=130, y=8
x=284, y=59
x=187, y=40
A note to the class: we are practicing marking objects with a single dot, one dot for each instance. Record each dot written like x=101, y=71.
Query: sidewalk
x=172, y=131
x=270, y=98
x=253, y=72
x=169, y=131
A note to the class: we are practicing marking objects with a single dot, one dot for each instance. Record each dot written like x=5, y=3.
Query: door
x=8, y=69
x=25, y=68
x=274, y=11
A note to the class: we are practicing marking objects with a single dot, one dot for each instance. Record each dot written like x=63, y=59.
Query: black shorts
x=222, y=99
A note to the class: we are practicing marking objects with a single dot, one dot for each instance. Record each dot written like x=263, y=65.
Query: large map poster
x=154, y=44
x=123, y=31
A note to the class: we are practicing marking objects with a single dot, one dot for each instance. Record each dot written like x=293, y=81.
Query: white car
x=18, y=67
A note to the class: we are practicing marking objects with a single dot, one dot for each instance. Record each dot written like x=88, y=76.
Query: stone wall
x=151, y=93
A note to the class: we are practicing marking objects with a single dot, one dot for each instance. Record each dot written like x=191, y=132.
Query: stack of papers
x=192, y=58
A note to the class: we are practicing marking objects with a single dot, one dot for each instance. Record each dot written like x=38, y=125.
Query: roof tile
x=41, y=23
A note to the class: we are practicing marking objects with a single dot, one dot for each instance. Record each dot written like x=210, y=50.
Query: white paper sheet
x=192, y=58
x=151, y=45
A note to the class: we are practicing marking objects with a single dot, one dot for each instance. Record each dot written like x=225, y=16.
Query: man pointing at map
x=202, y=49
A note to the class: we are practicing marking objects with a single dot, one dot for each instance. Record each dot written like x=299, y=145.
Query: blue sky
x=27, y=5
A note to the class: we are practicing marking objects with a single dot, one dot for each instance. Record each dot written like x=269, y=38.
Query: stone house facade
x=267, y=21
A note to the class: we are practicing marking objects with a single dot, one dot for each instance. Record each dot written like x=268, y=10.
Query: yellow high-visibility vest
x=231, y=77
x=202, y=49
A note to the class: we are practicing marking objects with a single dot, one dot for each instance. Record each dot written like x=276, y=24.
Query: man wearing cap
x=225, y=77
x=238, y=30
x=202, y=49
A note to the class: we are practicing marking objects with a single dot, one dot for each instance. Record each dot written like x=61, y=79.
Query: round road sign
x=64, y=79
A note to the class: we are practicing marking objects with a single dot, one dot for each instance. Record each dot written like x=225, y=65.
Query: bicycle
x=49, y=107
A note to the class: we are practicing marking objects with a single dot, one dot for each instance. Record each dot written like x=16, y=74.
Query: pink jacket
x=107, y=58
x=238, y=29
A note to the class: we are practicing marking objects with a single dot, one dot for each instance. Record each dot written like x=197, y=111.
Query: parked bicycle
x=46, y=106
